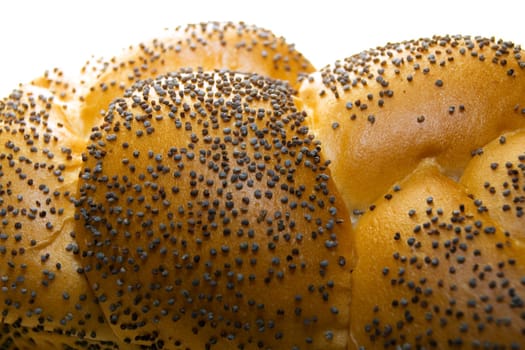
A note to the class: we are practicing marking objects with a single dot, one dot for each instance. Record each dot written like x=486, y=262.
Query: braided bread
x=212, y=189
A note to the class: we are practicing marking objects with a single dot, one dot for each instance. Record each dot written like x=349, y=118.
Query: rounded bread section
x=209, y=46
x=425, y=139
x=208, y=218
x=433, y=271
x=381, y=112
x=495, y=178
x=43, y=287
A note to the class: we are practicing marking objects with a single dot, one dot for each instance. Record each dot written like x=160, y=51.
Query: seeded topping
x=210, y=218
x=15, y=337
x=64, y=88
x=203, y=212
x=496, y=179
x=446, y=274
x=442, y=98
x=42, y=285
x=210, y=46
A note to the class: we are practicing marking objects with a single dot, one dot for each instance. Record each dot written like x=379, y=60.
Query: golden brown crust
x=46, y=126
x=64, y=88
x=15, y=337
x=210, y=218
x=434, y=272
x=211, y=45
x=235, y=46
x=42, y=280
x=381, y=112
x=494, y=177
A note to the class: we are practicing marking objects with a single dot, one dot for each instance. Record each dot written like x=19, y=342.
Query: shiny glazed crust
x=210, y=189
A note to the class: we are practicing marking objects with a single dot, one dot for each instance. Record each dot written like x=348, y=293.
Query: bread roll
x=434, y=272
x=208, y=218
x=234, y=46
x=495, y=178
x=42, y=282
x=385, y=110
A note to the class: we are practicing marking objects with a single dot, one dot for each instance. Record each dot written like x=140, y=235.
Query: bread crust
x=43, y=284
x=434, y=271
x=197, y=191
x=209, y=217
x=494, y=177
x=385, y=110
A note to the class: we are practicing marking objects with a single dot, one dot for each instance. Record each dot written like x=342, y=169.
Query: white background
x=40, y=35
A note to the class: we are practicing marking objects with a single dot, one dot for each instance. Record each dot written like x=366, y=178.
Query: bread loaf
x=210, y=189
